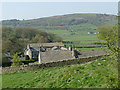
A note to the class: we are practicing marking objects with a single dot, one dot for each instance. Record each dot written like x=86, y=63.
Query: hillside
x=63, y=21
x=102, y=73
x=71, y=27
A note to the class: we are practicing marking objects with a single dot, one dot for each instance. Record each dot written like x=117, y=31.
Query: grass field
x=101, y=73
x=79, y=35
x=79, y=45
x=0, y=82
x=88, y=49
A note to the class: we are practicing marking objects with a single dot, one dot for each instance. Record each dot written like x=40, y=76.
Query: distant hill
x=63, y=21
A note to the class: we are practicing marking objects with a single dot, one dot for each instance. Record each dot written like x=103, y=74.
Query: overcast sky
x=32, y=10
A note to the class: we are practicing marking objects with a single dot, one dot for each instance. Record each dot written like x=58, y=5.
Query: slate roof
x=56, y=55
x=35, y=47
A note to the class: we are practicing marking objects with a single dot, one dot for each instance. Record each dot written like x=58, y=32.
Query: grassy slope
x=73, y=76
x=81, y=35
x=0, y=82
x=79, y=28
x=63, y=20
x=98, y=48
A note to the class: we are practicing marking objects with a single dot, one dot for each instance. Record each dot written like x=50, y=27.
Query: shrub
x=16, y=60
x=6, y=61
x=28, y=61
x=110, y=35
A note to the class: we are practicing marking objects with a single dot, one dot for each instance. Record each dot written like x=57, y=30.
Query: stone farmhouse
x=93, y=33
x=49, y=52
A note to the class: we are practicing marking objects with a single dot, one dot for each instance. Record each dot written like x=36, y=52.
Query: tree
x=15, y=39
x=40, y=39
x=16, y=60
x=110, y=35
x=6, y=31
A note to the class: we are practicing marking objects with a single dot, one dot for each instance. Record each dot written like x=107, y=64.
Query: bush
x=6, y=62
x=16, y=60
x=110, y=35
x=28, y=61
x=35, y=58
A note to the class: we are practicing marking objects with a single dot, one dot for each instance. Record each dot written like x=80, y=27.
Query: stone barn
x=93, y=33
x=49, y=52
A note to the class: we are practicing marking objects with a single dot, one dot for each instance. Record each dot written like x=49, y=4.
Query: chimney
x=28, y=46
x=39, y=56
x=70, y=47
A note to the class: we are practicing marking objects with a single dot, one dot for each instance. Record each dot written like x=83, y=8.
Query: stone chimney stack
x=28, y=46
x=70, y=47
x=39, y=57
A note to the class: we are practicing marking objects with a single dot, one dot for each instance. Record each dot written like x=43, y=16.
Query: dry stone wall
x=26, y=68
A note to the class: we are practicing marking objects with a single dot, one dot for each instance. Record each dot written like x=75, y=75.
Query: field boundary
x=27, y=68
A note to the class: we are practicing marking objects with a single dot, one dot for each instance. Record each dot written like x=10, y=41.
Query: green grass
x=57, y=31
x=88, y=49
x=81, y=36
x=79, y=45
x=0, y=82
x=78, y=33
x=84, y=49
x=101, y=73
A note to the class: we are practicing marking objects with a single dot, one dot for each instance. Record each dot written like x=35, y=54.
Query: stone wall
x=27, y=68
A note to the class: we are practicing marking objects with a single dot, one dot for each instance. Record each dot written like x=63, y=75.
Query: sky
x=59, y=0
x=33, y=10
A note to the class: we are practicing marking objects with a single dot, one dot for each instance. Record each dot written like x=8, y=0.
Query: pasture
x=102, y=73
x=81, y=36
